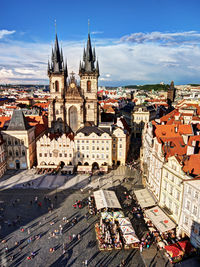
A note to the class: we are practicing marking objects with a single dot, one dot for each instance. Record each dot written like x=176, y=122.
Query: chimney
x=176, y=129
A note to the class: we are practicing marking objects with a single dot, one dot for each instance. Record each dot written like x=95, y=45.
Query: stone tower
x=57, y=72
x=89, y=73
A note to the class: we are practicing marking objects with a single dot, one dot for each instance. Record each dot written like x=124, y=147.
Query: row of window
x=168, y=203
x=195, y=193
x=194, y=208
x=97, y=156
x=60, y=155
x=16, y=153
x=93, y=141
x=16, y=142
x=93, y=148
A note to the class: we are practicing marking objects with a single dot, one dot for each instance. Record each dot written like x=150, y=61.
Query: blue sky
x=137, y=42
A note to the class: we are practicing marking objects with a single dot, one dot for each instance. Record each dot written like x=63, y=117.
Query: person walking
x=79, y=237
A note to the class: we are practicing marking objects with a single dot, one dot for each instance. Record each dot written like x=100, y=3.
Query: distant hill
x=149, y=87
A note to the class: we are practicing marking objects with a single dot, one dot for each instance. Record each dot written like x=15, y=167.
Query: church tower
x=89, y=73
x=57, y=72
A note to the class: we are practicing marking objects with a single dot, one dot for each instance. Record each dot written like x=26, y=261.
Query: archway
x=95, y=166
x=86, y=164
x=73, y=118
x=17, y=162
x=62, y=164
x=79, y=163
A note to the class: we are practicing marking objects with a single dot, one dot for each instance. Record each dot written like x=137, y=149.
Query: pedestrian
x=74, y=236
x=141, y=248
x=86, y=263
x=70, y=238
x=31, y=202
x=36, y=199
x=79, y=237
x=28, y=231
x=39, y=204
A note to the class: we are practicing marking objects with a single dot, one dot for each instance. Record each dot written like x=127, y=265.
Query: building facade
x=3, y=166
x=71, y=105
x=20, y=142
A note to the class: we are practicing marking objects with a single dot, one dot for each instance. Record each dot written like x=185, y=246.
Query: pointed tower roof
x=18, y=122
x=57, y=65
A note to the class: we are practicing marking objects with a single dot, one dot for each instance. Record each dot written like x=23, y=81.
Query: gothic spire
x=97, y=67
x=57, y=64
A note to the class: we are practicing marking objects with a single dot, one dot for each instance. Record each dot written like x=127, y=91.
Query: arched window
x=89, y=86
x=23, y=153
x=17, y=153
x=57, y=86
x=57, y=112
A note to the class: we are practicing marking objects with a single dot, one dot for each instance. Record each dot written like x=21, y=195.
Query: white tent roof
x=106, y=199
x=130, y=239
x=124, y=221
x=144, y=198
x=161, y=221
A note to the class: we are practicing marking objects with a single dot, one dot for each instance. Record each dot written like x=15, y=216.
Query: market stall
x=105, y=199
x=159, y=219
x=144, y=198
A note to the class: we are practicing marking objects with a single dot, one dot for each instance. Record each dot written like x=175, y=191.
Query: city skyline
x=136, y=43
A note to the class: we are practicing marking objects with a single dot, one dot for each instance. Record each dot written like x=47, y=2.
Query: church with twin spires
x=73, y=106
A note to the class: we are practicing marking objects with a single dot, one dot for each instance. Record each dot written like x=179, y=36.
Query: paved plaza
x=18, y=210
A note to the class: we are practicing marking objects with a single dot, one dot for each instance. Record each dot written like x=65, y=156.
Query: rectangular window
x=83, y=141
x=177, y=195
x=196, y=194
x=176, y=209
x=93, y=148
x=78, y=141
x=107, y=156
x=60, y=155
x=40, y=154
x=186, y=220
x=87, y=147
x=102, y=148
x=83, y=147
x=194, y=210
x=187, y=205
x=189, y=190
x=97, y=148
x=70, y=155
x=87, y=141
x=50, y=155
x=78, y=147
x=65, y=155
x=45, y=154
x=120, y=146
x=107, y=148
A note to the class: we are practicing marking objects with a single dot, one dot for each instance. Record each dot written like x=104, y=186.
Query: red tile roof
x=192, y=164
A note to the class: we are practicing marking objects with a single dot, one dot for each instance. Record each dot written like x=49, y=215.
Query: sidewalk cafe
x=160, y=226
x=144, y=198
x=106, y=199
x=114, y=231
x=180, y=250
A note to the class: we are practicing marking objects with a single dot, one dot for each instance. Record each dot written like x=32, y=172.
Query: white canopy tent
x=161, y=221
x=106, y=199
x=144, y=198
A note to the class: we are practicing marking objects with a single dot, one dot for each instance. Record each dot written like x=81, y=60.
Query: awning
x=84, y=168
x=144, y=198
x=124, y=221
x=106, y=199
x=130, y=239
x=68, y=168
x=161, y=221
x=47, y=166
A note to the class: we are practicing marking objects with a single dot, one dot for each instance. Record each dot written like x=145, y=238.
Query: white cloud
x=120, y=62
x=3, y=33
x=166, y=38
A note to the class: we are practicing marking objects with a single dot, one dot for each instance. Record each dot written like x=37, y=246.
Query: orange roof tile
x=192, y=164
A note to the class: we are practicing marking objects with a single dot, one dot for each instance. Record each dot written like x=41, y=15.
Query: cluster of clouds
x=135, y=58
